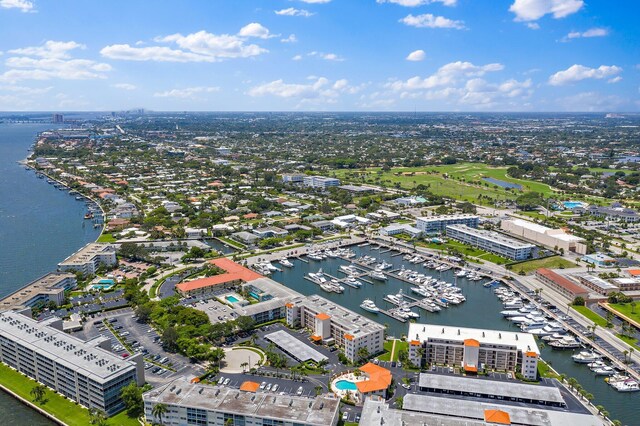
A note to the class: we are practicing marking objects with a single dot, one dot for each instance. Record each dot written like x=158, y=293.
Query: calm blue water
x=39, y=224
x=502, y=183
x=572, y=204
x=346, y=385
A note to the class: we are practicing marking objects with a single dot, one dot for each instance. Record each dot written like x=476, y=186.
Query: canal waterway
x=480, y=310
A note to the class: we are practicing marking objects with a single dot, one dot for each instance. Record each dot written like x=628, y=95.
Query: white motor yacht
x=353, y=282
x=567, y=342
x=586, y=357
x=377, y=274
x=370, y=306
x=286, y=262
x=629, y=385
x=605, y=371
x=395, y=298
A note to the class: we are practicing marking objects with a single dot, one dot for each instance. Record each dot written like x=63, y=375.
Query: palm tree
x=318, y=389
x=159, y=410
x=97, y=417
x=37, y=392
x=244, y=366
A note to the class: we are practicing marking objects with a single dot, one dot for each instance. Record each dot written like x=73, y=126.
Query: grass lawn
x=625, y=309
x=463, y=181
x=631, y=341
x=545, y=371
x=534, y=215
x=57, y=405
x=232, y=243
x=400, y=346
x=554, y=262
x=386, y=356
x=597, y=319
x=466, y=250
x=106, y=238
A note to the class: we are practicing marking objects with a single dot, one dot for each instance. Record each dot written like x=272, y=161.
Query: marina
x=482, y=308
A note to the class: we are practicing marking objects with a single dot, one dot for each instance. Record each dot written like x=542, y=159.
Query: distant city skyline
x=324, y=55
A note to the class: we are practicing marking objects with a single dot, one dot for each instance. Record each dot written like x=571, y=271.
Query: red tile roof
x=379, y=378
x=233, y=272
x=561, y=281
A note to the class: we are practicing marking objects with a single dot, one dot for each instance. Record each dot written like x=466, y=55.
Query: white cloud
x=416, y=56
x=593, y=32
x=428, y=20
x=297, y=58
x=196, y=47
x=326, y=56
x=292, y=11
x=532, y=10
x=415, y=3
x=125, y=86
x=533, y=25
x=579, y=72
x=447, y=74
x=615, y=80
x=187, y=93
x=23, y=5
x=52, y=60
x=318, y=89
x=592, y=101
x=255, y=29
x=291, y=39
x=23, y=90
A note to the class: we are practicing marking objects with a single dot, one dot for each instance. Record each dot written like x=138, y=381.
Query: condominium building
x=331, y=323
x=320, y=182
x=293, y=178
x=49, y=288
x=473, y=349
x=553, y=238
x=84, y=371
x=89, y=258
x=491, y=241
x=196, y=404
x=438, y=224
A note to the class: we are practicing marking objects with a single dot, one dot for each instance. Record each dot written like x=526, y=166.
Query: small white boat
x=286, y=262
x=370, y=306
x=629, y=385
x=604, y=371
x=586, y=357
x=567, y=342
x=315, y=256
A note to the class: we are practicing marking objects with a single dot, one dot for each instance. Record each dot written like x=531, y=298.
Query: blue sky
x=344, y=55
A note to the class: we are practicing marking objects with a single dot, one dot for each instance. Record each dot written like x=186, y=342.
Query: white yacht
x=513, y=304
x=586, y=357
x=353, y=282
x=286, y=262
x=317, y=276
x=567, y=342
x=315, y=256
x=396, y=299
x=408, y=312
x=422, y=291
x=628, y=385
x=596, y=364
x=348, y=269
x=605, y=371
x=461, y=273
x=549, y=329
x=377, y=274
x=369, y=305
x=384, y=265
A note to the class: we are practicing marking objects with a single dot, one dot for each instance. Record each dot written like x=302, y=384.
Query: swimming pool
x=103, y=285
x=572, y=204
x=232, y=299
x=346, y=385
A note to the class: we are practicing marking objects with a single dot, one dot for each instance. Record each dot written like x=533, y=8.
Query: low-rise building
x=331, y=323
x=438, y=224
x=349, y=220
x=600, y=259
x=234, y=274
x=196, y=404
x=561, y=284
x=293, y=178
x=89, y=258
x=627, y=284
x=320, y=182
x=614, y=212
x=553, y=238
x=473, y=349
x=49, y=288
x=492, y=242
x=271, y=231
x=597, y=284
x=84, y=371
x=323, y=225
x=376, y=381
x=398, y=228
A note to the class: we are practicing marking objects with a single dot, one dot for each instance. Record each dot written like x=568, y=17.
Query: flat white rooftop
x=522, y=341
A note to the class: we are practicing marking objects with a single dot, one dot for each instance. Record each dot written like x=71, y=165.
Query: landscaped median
x=597, y=319
x=55, y=404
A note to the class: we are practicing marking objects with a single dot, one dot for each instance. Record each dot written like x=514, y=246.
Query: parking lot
x=215, y=310
x=160, y=366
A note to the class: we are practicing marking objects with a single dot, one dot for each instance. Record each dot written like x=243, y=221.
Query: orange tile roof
x=315, y=338
x=233, y=272
x=634, y=272
x=471, y=342
x=470, y=368
x=348, y=336
x=379, y=378
x=415, y=343
x=322, y=316
x=497, y=416
x=249, y=386
x=531, y=354
x=289, y=305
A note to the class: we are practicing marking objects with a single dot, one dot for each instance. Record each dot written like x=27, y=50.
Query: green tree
x=363, y=353
x=245, y=323
x=578, y=301
x=132, y=398
x=97, y=417
x=38, y=392
x=170, y=338
x=158, y=411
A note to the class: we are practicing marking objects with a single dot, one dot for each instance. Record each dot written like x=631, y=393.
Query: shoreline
x=31, y=405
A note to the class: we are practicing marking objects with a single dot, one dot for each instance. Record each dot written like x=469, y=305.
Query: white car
x=220, y=380
x=406, y=386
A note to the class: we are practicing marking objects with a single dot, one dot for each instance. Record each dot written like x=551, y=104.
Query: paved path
x=393, y=350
